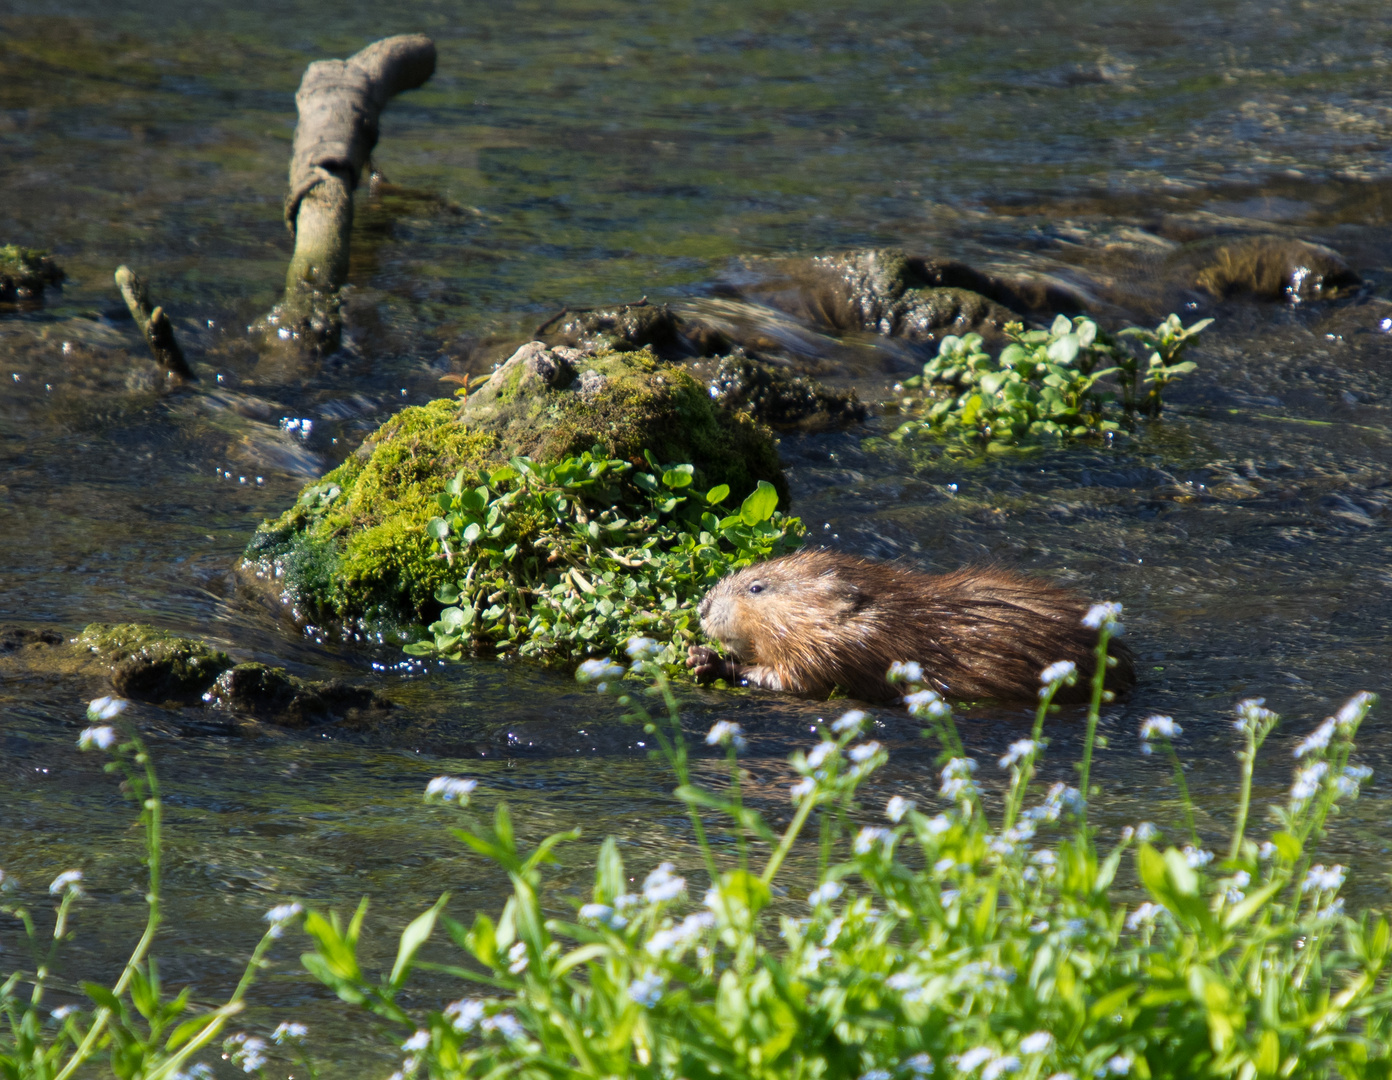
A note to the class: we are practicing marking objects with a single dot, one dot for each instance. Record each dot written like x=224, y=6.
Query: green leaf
x=743, y=888
x=338, y=952
x=1065, y=349
x=1181, y=875
x=678, y=477
x=1288, y=846
x=482, y=940
x=610, y=882
x=438, y=529
x=583, y=955
x=103, y=997
x=718, y=494
x=760, y=504
x=184, y=1032
x=412, y=938
x=454, y=620
x=1246, y=908
x=1150, y=865
x=1108, y=1004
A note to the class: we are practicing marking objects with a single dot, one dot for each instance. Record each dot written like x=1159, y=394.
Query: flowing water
x=581, y=153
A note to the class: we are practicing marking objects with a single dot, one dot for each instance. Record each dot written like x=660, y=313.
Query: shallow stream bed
x=579, y=154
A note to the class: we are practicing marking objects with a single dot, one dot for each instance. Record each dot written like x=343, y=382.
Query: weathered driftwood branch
x=155, y=325
x=339, y=103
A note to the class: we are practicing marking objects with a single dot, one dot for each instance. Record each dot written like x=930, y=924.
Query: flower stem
x=1099, y=677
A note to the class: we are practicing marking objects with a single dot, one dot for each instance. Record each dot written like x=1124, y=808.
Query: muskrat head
x=731, y=612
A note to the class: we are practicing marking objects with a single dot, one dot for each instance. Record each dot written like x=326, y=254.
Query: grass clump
x=1070, y=381
x=573, y=558
x=945, y=942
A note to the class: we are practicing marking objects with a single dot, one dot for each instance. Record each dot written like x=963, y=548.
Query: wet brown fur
x=822, y=620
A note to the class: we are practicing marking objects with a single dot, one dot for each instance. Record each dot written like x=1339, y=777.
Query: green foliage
x=1055, y=383
x=573, y=558
x=144, y=1034
x=954, y=943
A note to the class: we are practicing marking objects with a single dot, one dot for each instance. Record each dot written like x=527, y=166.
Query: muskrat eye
x=756, y=587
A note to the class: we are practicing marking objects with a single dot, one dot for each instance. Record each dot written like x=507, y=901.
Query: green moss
x=26, y=272
x=114, y=641
x=354, y=548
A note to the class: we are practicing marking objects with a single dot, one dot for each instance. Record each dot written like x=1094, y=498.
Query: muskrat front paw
x=707, y=664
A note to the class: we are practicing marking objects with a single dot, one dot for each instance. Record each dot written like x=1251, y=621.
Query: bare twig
x=155, y=325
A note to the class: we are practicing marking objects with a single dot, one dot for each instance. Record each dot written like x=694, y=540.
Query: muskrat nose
x=704, y=606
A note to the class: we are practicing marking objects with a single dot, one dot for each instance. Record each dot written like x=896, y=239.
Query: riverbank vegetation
x=995, y=934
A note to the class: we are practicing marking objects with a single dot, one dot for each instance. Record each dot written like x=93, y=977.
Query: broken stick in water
x=339, y=104
x=155, y=325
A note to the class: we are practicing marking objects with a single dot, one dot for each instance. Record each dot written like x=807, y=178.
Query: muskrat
x=816, y=621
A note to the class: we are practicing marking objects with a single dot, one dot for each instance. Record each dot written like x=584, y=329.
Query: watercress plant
x=1070, y=381
x=567, y=559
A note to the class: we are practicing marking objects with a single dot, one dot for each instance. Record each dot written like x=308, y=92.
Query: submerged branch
x=155, y=325
x=339, y=103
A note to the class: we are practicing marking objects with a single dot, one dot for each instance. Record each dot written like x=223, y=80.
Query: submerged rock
x=273, y=694
x=154, y=665
x=1264, y=268
x=354, y=550
x=781, y=399
x=26, y=272
x=24, y=638
x=920, y=299
x=624, y=328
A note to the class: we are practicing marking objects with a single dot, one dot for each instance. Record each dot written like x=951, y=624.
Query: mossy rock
x=26, y=272
x=148, y=664
x=353, y=550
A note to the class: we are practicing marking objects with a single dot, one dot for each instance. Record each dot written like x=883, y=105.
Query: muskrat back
x=815, y=621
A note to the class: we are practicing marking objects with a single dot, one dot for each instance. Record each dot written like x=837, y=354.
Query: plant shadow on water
x=617, y=151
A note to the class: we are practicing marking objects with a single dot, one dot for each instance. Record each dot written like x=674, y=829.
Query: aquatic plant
x=573, y=558
x=144, y=1034
x=1070, y=381
x=947, y=941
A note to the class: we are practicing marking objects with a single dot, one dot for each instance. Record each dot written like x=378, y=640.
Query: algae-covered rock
x=781, y=399
x=26, y=272
x=273, y=694
x=1265, y=268
x=148, y=664
x=354, y=548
